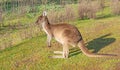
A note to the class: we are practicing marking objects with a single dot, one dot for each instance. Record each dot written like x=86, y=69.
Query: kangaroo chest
x=46, y=28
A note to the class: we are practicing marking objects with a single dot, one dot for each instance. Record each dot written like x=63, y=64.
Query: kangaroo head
x=42, y=18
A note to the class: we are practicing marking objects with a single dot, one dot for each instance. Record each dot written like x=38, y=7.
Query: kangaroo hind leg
x=65, y=51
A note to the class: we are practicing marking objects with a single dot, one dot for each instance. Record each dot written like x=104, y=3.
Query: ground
x=100, y=35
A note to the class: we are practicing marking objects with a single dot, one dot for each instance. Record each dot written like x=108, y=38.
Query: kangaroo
x=65, y=34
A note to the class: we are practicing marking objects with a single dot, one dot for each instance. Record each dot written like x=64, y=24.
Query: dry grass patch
x=117, y=66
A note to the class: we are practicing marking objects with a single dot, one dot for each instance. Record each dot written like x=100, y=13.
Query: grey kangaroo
x=65, y=34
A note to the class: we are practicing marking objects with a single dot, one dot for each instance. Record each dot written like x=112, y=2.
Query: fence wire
x=19, y=7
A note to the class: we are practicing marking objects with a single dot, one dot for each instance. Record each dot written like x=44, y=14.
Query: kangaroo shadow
x=95, y=44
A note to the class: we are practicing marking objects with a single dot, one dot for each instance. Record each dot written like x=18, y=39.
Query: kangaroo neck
x=46, y=27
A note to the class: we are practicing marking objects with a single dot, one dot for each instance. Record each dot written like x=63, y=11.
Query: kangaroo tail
x=83, y=48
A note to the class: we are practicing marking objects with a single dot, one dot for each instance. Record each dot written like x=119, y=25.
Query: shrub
x=88, y=9
x=115, y=7
x=66, y=14
x=82, y=8
x=70, y=13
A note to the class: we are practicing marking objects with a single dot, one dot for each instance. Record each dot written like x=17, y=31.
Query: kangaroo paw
x=58, y=52
x=56, y=56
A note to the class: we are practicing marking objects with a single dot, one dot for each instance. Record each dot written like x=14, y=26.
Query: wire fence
x=21, y=7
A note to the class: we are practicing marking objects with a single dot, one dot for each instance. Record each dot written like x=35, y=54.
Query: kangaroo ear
x=44, y=13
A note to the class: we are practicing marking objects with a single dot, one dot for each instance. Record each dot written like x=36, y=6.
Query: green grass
x=101, y=36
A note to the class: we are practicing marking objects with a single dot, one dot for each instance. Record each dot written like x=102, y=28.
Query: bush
x=88, y=9
x=70, y=13
x=64, y=15
x=115, y=7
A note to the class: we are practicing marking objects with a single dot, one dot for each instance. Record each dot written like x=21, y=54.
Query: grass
x=101, y=36
x=18, y=24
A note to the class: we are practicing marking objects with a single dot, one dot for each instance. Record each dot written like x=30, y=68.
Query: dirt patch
x=117, y=66
x=117, y=50
x=27, y=61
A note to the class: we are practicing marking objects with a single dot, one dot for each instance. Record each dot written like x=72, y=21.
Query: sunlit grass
x=32, y=54
x=101, y=35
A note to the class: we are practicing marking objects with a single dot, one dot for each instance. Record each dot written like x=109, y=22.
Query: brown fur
x=65, y=34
